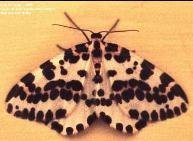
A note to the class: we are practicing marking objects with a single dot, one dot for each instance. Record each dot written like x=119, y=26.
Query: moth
x=96, y=80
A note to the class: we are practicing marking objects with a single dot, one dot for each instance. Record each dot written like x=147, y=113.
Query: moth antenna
x=60, y=47
x=73, y=28
x=70, y=19
x=114, y=25
x=121, y=31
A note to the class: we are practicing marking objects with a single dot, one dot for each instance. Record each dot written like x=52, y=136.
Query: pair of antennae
x=83, y=30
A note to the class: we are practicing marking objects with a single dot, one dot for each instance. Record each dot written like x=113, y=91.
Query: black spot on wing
x=13, y=93
x=76, y=98
x=111, y=47
x=63, y=71
x=162, y=88
x=149, y=97
x=129, y=129
x=140, y=124
x=85, y=56
x=123, y=56
x=106, y=118
x=69, y=130
x=166, y=79
x=108, y=56
x=29, y=98
x=133, y=82
x=134, y=113
x=50, y=85
x=143, y=85
x=128, y=94
x=74, y=59
x=183, y=107
x=18, y=114
x=31, y=87
x=22, y=93
x=96, y=102
x=60, y=113
x=24, y=113
x=31, y=115
x=154, y=115
x=169, y=113
x=119, y=126
x=47, y=70
x=54, y=94
x=9, y=108
x=88, y=102
x=147, y=64
x=147, y=70
x=49, y=74
x=91, y=118
x=61, y=62
x=163, y=115
x=57, y=127
x=129, y=70
x=177, y=91
x=44, y=97
x=48, y=65
x=117, y=98
x=100, y=92
x=81, y=48
x=75, y=85
x=66, y=94
x=79, y=127
x=48, y=116
x=139, y=94
x=145, y=115
x=103, y=102
x=83, y=96
x=36, y=98
x=28, y=79
x=177, y=111
x=53, y=84
x=157, y=98
x=118, y=85
x=39, y=116
x=111, y=73
x=69, y=56
x=82, y=73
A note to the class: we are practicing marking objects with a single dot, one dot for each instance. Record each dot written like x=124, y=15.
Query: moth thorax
x=96, y=44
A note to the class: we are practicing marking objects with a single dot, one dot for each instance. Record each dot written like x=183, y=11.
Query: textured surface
x=158, y=34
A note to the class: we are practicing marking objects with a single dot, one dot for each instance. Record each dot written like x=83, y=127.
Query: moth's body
x=96, y=80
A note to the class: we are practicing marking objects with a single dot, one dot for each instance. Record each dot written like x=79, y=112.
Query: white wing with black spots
x=54, y=94
x=141, y=92
x=96, y=80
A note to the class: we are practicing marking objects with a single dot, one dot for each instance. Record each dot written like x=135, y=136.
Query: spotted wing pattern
x=140, y=92
x=54, y=94
x=96, y=80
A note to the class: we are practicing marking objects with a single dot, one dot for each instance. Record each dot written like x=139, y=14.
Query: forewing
x=54, y=93
x=141, y=92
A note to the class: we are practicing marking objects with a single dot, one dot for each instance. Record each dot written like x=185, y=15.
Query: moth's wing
x=143, y=93
x=54, y=93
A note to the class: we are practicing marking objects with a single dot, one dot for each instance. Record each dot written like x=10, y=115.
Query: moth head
x=96, y=35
